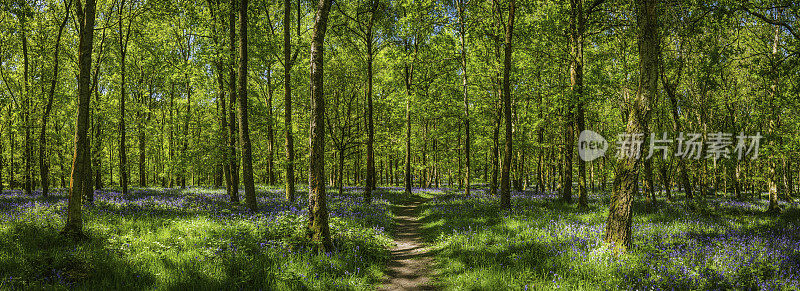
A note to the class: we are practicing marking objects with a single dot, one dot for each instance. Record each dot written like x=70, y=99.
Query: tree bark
x=143, y=139
x=233, y=166
x=505, y=179
x=670, y=89
x=467, y=141
x=318, y=212
x=287, y=97
x=26, y=105
x=226, y=165
x=270, y=135
x=618, y=224
x=44, y=166
x=80, y=177
x=773, y=126
x=408, y=71
x=186, y=134
x=577, y=27
x=123, y=156
x=495, y=155
x=244, y=130
x=370, y=127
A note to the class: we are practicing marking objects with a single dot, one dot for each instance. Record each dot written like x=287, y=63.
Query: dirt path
x=410, y=266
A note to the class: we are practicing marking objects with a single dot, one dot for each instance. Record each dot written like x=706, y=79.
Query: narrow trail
x=411, y=265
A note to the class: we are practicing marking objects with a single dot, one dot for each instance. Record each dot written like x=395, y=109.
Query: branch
x=773, y=22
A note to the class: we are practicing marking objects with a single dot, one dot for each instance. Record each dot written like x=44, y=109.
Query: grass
x=168, y=239
x=545, y=244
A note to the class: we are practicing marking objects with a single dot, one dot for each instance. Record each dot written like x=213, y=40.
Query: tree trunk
x=233, y=165
x=670, y=89
x=123, y=156
x=98, y=130
x=467, y=140
x=772, y=127
x=2, y=151
x=505, y=179
x=26, y=105
x=287, y=97
x=44, y=166
x=244, y=130
x=788, y=179
x=171, y=136
x=226, y=165
x=79, y=179
x=618, y=224
x=318, y=212
x=409, y=76
x=340, y=176
x=495, y=155
x=186, y=134
x=666, y=180
x=370, y=127
x=577, y=21
x=270, y=135
x=143, y=141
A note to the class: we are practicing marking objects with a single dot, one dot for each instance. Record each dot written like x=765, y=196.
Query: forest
x=399, y=144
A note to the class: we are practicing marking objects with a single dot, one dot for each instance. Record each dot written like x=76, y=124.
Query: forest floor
x=436, y=238
x=410, y=265
x=192, y=239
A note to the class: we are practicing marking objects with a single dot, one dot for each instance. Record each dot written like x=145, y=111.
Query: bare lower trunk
x=81, y=163
x=244, y=125
x=270, y=135
x=233, y=165
x=318, y=212
x=495, y=158
x=505, y=178
x=287, y=97
x=576, y=79
x=618, y=224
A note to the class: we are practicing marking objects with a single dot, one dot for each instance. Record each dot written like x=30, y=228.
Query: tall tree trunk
x=287, y=99
x=26, y=106
x=505, y=179
x=409, y=77
x=143, y=140
x=171, y=173
x=244, y=130
x=318, y=212
x=370, y=114
x=670, y=89
x=618, y=224
x=540, y=168
x=270, y=135
x=773, y=126
x=186, y=133
x=788, y=180
x=226, y=165
x=80, y=175
x=370, y=127
x=467, y=140
x=44, y=166
x=233, y=165
x=1, y=162
x=123, y=156
x=97, y=127
x=577, y=21
x=340, y=176
x=495, y=155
